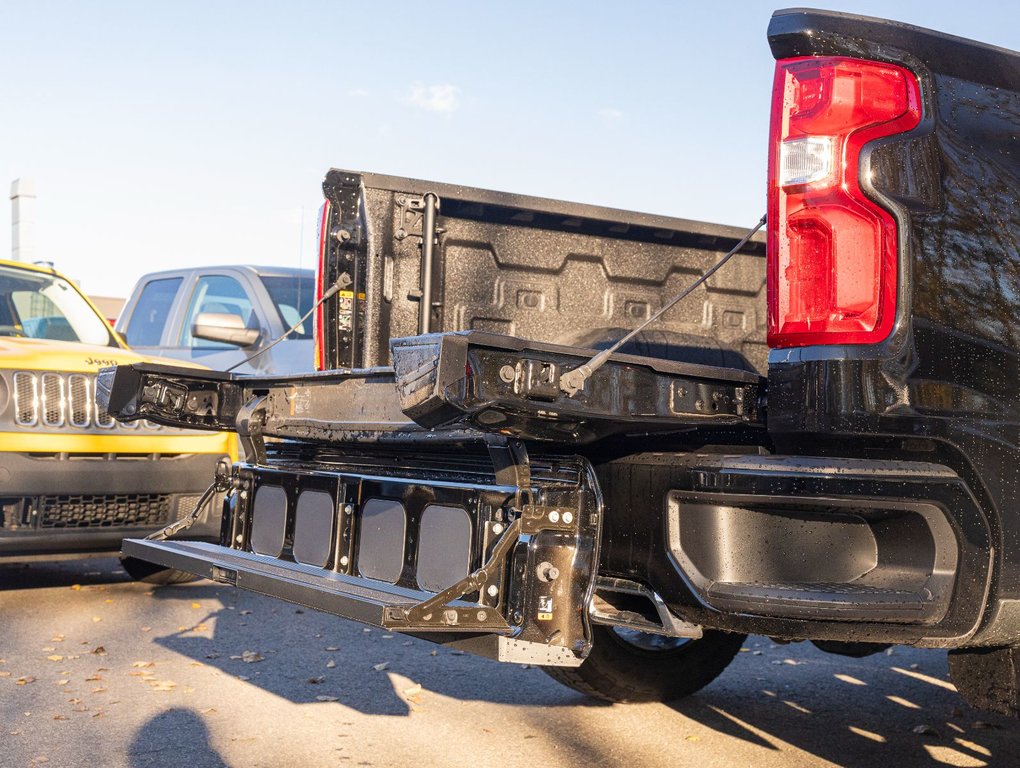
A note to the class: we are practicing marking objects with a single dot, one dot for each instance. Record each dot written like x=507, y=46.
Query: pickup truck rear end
x=864, y=494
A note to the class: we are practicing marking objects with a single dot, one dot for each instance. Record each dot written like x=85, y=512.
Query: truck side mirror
x=225, y=328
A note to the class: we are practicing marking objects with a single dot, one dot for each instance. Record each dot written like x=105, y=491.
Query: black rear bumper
x=804, y=548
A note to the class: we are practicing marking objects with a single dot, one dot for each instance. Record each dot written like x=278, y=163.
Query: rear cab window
x=151, y=312
x=293, y=298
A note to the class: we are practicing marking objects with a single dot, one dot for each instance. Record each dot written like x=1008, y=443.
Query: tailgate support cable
x=221, y=484
x=573, y=381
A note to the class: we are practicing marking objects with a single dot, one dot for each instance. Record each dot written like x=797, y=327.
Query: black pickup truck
x=820, y=443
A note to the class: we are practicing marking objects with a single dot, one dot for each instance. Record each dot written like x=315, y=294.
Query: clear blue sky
x=179, y=133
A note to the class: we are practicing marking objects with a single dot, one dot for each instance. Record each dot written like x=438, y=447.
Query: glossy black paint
x=950, y=372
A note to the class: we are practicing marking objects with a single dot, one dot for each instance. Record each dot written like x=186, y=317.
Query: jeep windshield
x=38, y=305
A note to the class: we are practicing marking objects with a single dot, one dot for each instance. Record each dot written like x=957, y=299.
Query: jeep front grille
x=62, y=400
x=104, y=511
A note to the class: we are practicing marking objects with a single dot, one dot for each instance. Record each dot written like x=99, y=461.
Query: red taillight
x=320, y=277
x=832, y=251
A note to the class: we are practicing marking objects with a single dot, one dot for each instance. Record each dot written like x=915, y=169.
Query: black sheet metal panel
x=525, y=266
x=382, y=528
x=269, y=520
x=313, y=528
x=444, y=547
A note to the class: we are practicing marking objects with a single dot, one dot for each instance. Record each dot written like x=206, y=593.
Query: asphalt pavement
x=96, y=670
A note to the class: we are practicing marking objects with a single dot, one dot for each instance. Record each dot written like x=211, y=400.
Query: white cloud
x=610, y=115
x=435, y=98
x=358, y=93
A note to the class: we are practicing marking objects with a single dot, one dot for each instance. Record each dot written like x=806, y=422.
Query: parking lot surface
x=96, y=670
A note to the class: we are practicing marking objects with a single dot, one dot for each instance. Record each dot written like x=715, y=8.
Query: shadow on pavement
x=176, y=738
x=897, y=709
x=306, y=655
x=61, y=573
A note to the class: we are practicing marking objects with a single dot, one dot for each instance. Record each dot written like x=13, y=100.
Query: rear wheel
x=150, y=573
x=631, y=666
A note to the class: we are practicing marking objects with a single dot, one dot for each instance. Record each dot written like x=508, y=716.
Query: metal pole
x=428, y=242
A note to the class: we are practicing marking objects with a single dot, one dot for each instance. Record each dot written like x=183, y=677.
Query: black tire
x=622, y=669
x=150, y=573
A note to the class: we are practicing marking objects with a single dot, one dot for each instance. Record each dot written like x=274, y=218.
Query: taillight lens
x=832, y=251
x=320, y=278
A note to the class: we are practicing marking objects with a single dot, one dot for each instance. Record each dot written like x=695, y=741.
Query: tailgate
x=441, y=497
x=451, y=386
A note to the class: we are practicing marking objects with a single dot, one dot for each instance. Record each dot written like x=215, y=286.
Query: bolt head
x=344, y=560
x=348, y=509
x=497, y=528
x=568, y=517
x=492, y=591
x=554, y=516
x=507, y=373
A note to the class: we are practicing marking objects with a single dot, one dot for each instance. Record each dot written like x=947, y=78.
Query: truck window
x=145, y=326
x=219, y=294
x=293, y=298
x=41, y=306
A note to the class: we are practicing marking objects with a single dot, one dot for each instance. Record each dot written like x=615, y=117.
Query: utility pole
x=23, y=220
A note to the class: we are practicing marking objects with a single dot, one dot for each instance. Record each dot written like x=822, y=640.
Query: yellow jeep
x=73, y=481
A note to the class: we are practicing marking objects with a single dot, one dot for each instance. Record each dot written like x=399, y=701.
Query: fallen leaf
x=62, y=682
x=298, y=610
x=55, y=657
x=691, y=738
x=76, y=587
x=57, y=639
x=243, y=677
x=108, y=600
x=326, y=698
x=414, y=690
x=981, y=725
x=381, y=667
x=93, y=678
x=330, y=664
x=315, y=680
x=925, y=730
x=792, y=662
x=24, y=680
x=143, y=664
x=38, y=759
x=98, y=690
x=196, y=605
x=457, y=653
x=756, y=653
x=164, y=685
x=60, y=717
x=207, y=710
x=4, y=673
x=332, y=648
x=97, y=619
x=250, y=657
x=433, y=652
x=99, y=650
x=147, y=629
x=100, y=713
x=212, y=655
x=245, y=612
x=387, y=637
